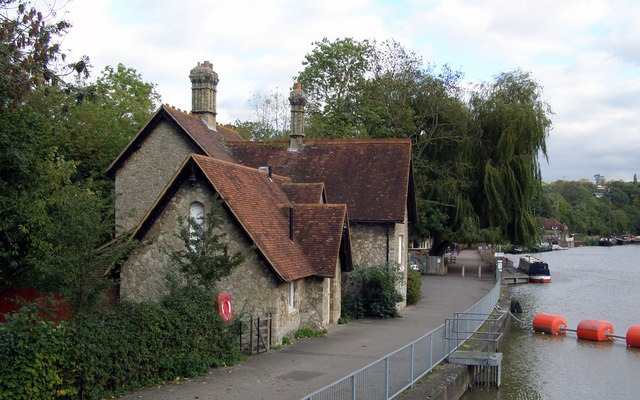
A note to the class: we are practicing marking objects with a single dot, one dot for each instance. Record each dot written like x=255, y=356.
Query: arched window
x=196, y=213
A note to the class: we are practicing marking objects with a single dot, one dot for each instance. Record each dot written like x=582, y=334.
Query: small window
x=292, y=294
x=400, y=254
x=196, y=213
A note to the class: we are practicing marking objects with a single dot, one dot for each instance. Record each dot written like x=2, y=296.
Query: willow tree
x=512, y=125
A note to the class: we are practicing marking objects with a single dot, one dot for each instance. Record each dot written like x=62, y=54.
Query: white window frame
x=400, y=252
x=291, y=298
x=196, y=212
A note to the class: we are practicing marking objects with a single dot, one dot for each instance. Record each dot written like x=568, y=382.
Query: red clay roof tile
x=373, y=177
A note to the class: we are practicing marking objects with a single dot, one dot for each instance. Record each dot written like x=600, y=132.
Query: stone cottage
x=296, y=252
x=371, y=179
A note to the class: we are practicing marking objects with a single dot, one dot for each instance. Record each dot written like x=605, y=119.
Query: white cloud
x=584, y=53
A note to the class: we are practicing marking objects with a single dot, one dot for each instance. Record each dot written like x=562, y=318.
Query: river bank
x=451, y=381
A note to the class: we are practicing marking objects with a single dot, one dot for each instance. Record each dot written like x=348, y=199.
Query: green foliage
x=308, y=332
x=135, y=345
x=35, y=358
x=28, y=52
x=286, y=340
x=513, y=123
x=205, y=256
x=475, y=162
x=414, y=286
x=575, y=204
x=372, y=291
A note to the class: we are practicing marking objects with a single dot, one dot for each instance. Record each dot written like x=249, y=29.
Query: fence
x=393, y=374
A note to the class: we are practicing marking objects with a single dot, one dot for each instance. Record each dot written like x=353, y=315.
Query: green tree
x=512, y=124
x=29, y=53
x=333, y=76
x=53, y=216
x=204, y=257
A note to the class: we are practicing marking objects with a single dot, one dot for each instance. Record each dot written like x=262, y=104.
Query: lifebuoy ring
x=224, y=306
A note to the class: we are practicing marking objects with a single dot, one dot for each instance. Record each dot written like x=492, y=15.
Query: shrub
x=414, y=286
x=137, y=345
x=308, y=332
x=34, y=357
x=372, y=291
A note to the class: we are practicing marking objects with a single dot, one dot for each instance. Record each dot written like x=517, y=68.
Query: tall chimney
x=297, y=99
x=204, y=82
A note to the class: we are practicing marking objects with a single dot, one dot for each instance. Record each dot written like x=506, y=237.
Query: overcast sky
x=585, y=54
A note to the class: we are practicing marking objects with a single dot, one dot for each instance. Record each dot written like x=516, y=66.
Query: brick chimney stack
x=204, y=82
x=298, y=100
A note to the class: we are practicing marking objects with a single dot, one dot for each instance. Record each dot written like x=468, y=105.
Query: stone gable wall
x=253, y=286
x=139, y=181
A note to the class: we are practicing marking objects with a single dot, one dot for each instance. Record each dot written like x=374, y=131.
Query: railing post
x=386, y=378
x=412, y=361
x=353, y=387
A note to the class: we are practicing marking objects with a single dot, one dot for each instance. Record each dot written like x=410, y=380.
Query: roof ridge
x=314, y=205
x=209, y=158
x=328, y=141
x=190, y=114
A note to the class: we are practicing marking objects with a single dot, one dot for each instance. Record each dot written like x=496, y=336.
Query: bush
x=115, y=349
x=372, y=291
x=308, y=332
x=138, y=345
x=414, y=286
x=34, y=357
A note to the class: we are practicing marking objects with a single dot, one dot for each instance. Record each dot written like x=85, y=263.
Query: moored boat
x=537, y=269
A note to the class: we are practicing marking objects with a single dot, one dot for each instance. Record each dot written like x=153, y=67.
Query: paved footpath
x=310, y=364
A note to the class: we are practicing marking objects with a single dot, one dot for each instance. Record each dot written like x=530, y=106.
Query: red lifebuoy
x=224, y=306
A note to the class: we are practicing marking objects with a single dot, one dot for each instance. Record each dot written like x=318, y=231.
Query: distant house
x=555, y=232
x=310, y=209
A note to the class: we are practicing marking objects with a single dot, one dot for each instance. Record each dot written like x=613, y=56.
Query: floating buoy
x=633, y=336
x=588, y=329
x=549, y=323
x=592, y=329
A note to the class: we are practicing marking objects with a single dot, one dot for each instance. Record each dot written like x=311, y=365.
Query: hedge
x=113, y=350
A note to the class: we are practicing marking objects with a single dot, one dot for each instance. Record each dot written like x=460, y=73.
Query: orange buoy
x=549, y=323
x=633, y=336
x=592, y=329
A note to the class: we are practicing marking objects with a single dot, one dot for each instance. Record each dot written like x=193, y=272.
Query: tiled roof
x=305, y=193
x=255, y=201
x=319, y=229
x=373, y=177
x=205, y=140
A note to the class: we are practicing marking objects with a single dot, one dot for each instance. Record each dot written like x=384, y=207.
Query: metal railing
x=393, y=374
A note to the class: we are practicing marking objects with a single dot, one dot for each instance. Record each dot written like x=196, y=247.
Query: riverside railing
x=396, y=372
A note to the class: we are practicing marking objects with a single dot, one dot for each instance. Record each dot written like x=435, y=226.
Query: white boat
x=537, y=269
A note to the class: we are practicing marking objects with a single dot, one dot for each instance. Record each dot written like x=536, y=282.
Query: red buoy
x=549, y=323
x=592, y=329
x=633, y=336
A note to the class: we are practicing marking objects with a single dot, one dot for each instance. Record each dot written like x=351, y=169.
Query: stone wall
x=253, y=286
x=139, y=181
x=369, y=246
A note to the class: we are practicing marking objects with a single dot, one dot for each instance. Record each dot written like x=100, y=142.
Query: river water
x=601, y=283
